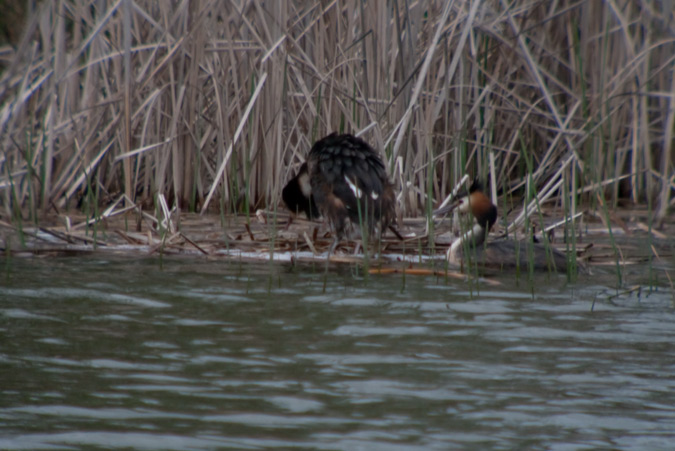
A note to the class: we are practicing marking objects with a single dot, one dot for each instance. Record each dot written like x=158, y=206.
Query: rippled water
x=197, y=354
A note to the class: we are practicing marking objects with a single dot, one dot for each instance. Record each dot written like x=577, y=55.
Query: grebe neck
x=476, y=236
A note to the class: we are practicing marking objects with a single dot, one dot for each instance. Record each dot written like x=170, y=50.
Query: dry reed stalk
x=223, y=98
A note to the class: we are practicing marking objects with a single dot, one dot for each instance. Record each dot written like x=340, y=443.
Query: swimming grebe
x=348, y=183
x=297, y=194
x=501, y=253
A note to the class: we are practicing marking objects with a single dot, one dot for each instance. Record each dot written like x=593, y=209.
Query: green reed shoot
x=17, y=218
x=570, y=230
x=612, y=241
x=650, y=253
x=429, y=207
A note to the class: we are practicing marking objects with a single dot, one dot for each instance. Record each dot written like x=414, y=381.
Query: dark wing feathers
x=338, y=161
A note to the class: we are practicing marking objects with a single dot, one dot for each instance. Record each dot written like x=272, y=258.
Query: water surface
x=104, y=352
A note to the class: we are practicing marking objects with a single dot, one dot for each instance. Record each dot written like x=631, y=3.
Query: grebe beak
x=448, y=208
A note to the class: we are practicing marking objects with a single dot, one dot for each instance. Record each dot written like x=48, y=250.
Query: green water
x=105, y=353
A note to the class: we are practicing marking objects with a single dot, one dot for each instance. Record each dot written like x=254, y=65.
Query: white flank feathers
x=355, y=189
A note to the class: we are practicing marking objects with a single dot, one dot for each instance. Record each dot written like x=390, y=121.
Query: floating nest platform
x=274, y=236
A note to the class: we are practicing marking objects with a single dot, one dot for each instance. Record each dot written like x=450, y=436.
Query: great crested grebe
x=347, y=182
x=500, y=253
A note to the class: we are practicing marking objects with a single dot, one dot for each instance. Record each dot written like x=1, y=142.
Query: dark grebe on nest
x=501, y=253
x=349, y=185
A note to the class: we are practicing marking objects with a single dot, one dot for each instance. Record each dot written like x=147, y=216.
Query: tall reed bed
x=214, y=103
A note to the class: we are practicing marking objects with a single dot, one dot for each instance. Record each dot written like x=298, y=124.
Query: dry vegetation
x=213, y=104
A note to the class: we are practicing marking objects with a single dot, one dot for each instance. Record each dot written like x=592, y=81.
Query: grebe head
x=475, y=202
x=297, y=194
x=478, y=204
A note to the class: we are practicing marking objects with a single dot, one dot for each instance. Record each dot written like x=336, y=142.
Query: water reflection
x=207, y=354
